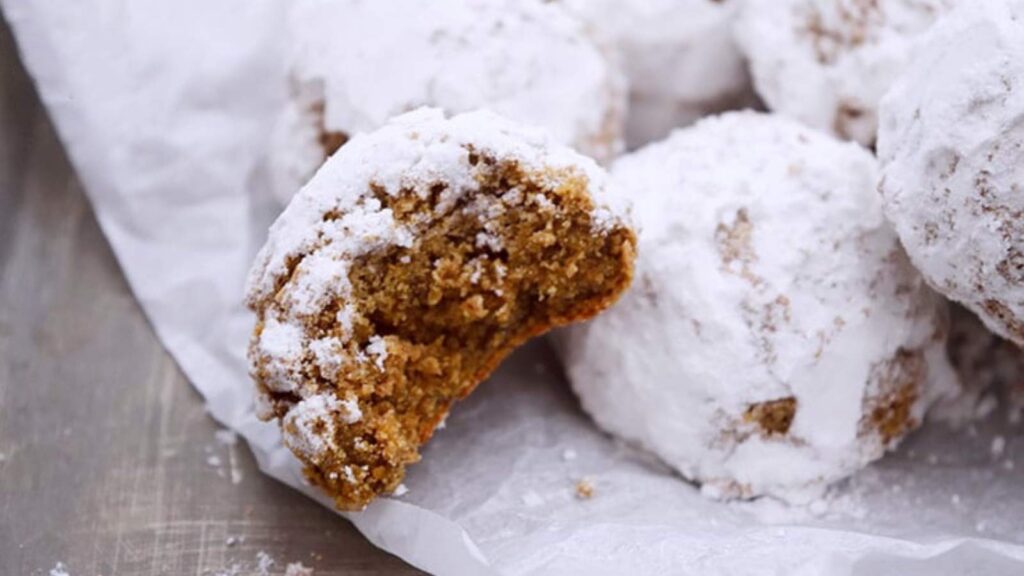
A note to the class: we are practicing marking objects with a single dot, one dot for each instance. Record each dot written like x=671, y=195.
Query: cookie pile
x=789, y=267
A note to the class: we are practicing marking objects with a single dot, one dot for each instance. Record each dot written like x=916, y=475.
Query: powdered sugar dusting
x=378, y=349
x=485, y=240
x=350, y=476
x=329, y=355
x=322, y=276
x=281, y=344
x=345, y=318
x=309, y=427
x=350, y=410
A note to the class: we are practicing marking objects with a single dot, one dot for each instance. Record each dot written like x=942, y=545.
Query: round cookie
x=679, y=56
x=951, y=143
x=410, y=265
x=776, y=338
x=828, y=63
x=355, y=63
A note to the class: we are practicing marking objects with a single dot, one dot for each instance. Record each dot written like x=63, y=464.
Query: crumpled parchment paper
x=164, y=108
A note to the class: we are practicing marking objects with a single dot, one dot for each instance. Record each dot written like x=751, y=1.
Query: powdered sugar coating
x=828, y=63
x=679, y=56
x=309, y=427
x=768, y=286
x=338, y=216
x=356, y=63
x=952, y=148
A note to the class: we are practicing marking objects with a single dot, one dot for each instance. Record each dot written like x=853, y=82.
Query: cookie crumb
x=263, y=563
x=584, y=489
x=998, y=446
x=297, y=569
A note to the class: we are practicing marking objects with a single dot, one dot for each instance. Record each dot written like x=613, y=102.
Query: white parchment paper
x=164, y=107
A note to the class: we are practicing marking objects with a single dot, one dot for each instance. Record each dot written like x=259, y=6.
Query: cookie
x=828, y=63
x=415, y=260
x=776, y=337
x=354, y=64
x=951, y=144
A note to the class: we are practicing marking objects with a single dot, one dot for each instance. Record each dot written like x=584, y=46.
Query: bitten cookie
x=679, y=56
x=354, y=64
x=413, y=262
x=952, y=150
x=776, y=337
x=828, y=63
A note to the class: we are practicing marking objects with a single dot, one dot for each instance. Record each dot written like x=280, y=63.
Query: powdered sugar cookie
x=413, y=262
x=828, y=63
x=356, y=63
x=776, y=337
x=952, y=148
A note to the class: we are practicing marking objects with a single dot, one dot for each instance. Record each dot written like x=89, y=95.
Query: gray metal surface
x=108, y=462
